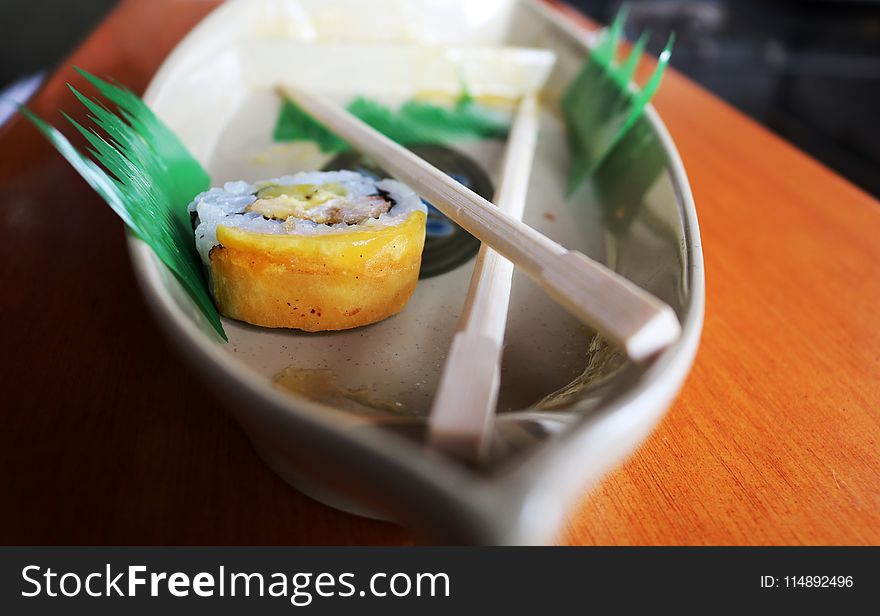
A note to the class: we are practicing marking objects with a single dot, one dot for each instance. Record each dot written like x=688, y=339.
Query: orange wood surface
x=775, y=438
x=108, y=438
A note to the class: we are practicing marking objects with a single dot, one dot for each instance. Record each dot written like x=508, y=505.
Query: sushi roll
x=315, y=251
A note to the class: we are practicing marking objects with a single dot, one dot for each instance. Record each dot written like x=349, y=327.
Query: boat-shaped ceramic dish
x=341, y=415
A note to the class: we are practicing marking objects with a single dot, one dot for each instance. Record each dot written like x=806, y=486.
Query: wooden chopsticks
x=625, y=314
x=464, y=404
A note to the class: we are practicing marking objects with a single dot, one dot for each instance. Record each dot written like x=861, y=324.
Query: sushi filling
x=324, y=204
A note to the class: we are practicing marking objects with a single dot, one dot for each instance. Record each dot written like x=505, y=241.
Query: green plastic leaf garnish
x=146, y=175
x=600, y=105
x=415, y=122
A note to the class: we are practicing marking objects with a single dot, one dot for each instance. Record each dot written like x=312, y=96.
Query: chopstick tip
x=658, y=333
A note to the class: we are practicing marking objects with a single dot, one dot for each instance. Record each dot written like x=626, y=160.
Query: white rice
x=226, y=206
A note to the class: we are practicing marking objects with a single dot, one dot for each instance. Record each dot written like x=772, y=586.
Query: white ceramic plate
x=216, y=90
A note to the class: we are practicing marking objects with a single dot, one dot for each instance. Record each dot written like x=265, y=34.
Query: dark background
x=807, y=69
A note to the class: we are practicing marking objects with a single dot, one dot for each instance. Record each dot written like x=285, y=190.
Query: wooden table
x=107, y=437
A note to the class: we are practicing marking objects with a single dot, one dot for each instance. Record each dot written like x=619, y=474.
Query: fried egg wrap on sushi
x=315, y=251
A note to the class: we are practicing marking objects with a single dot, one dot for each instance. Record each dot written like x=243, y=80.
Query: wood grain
x=774, y=439
x=776, y=434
